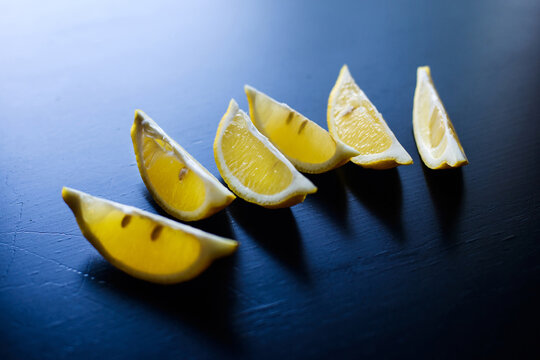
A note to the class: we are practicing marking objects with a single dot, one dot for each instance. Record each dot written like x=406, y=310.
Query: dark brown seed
x=289, y=118
x=275, y=164
x=349, y=110
x=156, y=232
x=182, y=174
x=302, y=126
x=125, y=220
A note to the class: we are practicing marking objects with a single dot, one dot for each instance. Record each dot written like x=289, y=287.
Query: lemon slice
x=252, y=167
x=178, y=183
x=308, y=146
x=145, y=245
x=353, y=119
x=435, y=137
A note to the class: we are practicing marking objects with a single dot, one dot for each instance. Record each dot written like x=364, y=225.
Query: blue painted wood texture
x=404, y=263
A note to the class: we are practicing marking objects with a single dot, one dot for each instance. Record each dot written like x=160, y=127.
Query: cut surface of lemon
x=145, y=245
x=178, y=183
x=252, y=167
x=435, y=137
x=308, y=146
x=354, y=120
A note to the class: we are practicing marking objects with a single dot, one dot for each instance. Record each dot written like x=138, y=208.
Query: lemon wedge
x=145, y=245
x=435, y=137
x=252, y=167
x=308, y=146
x=178, y=183
x=353, y=119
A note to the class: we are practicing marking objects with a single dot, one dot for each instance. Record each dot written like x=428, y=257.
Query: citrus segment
x=252, y=167
x=178, y=183
x=171, y=179
x=145, y=245
x=434, y=133
x=239, y=146
x=353, y=119
x=308, y=146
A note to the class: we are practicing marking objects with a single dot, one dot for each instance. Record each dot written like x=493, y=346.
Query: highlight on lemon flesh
x=144, y=245
x=177, y=182
x=252, y=167
x=435, y=137
x=308, y=146
x=353, y=119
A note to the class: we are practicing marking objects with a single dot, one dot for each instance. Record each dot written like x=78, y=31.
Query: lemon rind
x=393, y=156
x=212, y=246
x=341, y=156
x=453, y=156
x=217, y=196
x=292, y=195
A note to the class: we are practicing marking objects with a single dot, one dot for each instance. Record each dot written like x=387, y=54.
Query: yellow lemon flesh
x=252, y=167
x=178, y=183
x=308, y=146
x=354, y=120
x=435, y=137
x=145, y=245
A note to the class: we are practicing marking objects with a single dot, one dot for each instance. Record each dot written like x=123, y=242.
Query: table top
x=399, y=263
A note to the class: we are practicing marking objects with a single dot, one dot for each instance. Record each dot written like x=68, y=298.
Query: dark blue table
x=405, y=263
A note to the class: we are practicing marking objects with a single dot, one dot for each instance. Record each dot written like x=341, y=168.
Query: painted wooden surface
x=405, y=263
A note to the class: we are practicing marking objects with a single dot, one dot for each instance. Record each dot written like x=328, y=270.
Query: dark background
x=404, y=263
